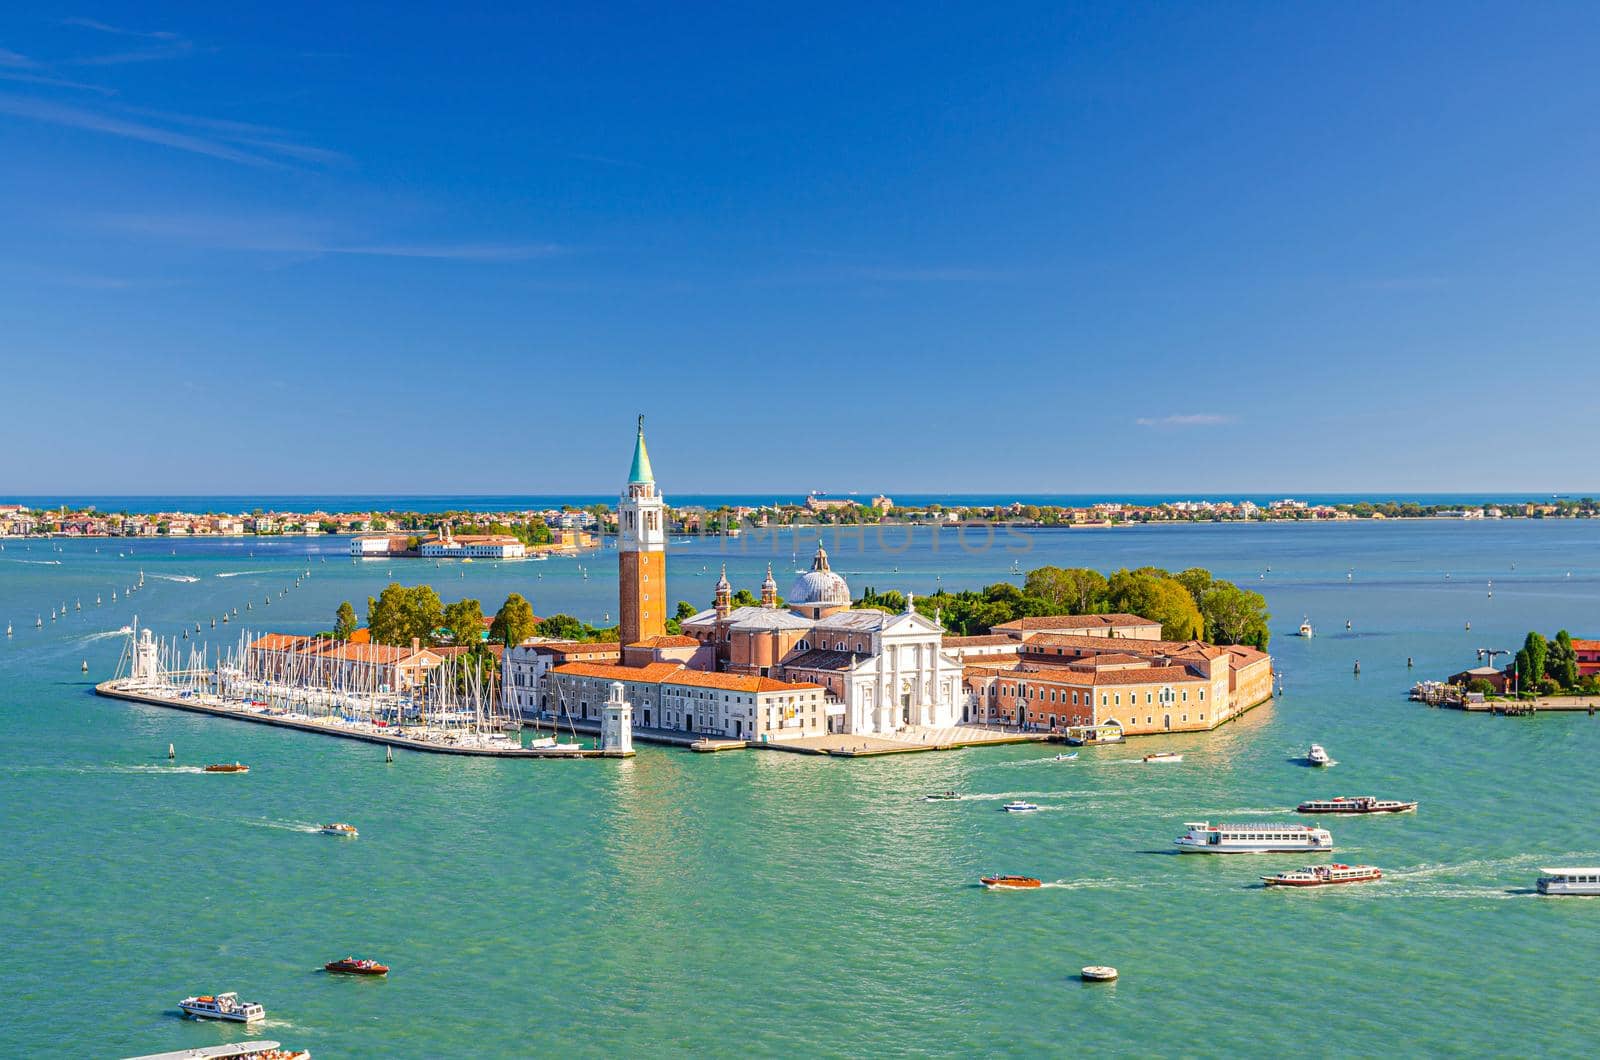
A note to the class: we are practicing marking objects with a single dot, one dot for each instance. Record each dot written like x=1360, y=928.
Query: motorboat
x=222, y=1007
x=1355, y=804
x=1016, y=882
x=1569, y=881
x=1324, y=875
x=227, y=767
x=356, y=966
x=1019, y=806
x=1099, y=973
x=1162, y=756
x=1305, y=629
x=1318, y=756
x=348, y=831
x=941, y=796
x=1069, y=756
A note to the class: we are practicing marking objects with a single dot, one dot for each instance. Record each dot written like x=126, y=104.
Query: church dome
x=819, y=585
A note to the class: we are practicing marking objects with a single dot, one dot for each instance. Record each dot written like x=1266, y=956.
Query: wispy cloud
x=163, y=44
x=15, y=60
x=304, y=237
x=53, y=82
x=232, y=141
x=119, y=31
x=79, y=118
x=1185, y=419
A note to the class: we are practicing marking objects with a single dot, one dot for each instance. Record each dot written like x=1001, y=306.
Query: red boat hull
x=1009, y=881
x=1270, y=882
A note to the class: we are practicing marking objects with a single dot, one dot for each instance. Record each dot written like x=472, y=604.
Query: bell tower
x=641, y=551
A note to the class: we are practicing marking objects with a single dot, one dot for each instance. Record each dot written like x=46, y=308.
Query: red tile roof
x=1116, y=621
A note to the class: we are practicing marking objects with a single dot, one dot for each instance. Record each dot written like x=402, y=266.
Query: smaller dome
x=819, y=585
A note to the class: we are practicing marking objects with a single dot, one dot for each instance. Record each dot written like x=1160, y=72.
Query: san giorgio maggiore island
x=810, y=674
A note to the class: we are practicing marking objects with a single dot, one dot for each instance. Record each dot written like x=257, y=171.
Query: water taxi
x=1355, y=804
x=222, y=1007
x=340, y=829
x=941, y=796
x=1205, y=838
x=1163, y=756
x=1569, y=881
x=227, y=767
x=356, y=966
x=1019, y=806
x=1324, y=875
x=1318, y=756
x=1019, y=882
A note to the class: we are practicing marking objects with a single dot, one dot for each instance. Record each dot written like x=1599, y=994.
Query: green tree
x=515, y=622
x=561, y=627
x=400, y=614
x=1538, y=649
x=1561, y=664
x=344, y=621
x=1157, y=596
x=1070, y=591
x=744, y=598
x=1233, y=615
x=464, y=620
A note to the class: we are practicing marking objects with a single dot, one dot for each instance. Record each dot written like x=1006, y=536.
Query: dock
x=219, y=709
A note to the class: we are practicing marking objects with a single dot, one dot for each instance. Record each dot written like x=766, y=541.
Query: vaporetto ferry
x=1203, y=837
x=1355, y=804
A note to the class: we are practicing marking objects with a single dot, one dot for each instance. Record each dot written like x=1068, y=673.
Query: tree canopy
x=515, y=622
x=401, y=613
x=1190, y=604
x=344, y=621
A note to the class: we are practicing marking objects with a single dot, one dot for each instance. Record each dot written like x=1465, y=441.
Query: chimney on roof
x=416, y=645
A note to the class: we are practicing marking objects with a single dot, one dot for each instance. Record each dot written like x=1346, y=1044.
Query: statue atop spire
x=769, y=590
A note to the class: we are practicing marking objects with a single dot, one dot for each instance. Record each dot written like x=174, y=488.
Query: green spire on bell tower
x=641, y=459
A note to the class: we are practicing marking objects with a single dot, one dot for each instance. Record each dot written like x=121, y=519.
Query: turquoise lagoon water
x=768, y=903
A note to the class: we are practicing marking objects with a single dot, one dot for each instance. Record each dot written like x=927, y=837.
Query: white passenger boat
x=1569, y=881
x=1018, y=806
x=1204, y=837
x=1163, y=756
x=1306, y=630
x=1355, y=804
x=1318, y=756
x=222, y=1007
x=1324, y=875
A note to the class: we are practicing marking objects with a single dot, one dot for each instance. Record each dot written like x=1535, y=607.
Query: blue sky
x=1030, y=247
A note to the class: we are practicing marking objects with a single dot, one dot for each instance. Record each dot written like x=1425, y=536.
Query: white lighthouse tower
x=616, y=723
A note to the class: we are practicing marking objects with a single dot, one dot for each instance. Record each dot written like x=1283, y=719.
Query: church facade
x=883, y=673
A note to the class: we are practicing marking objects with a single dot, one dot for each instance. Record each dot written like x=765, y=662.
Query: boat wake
x=1247, y=811
x=305, y=827
x=103, y=634
x=176, y=577
x=1490, y=866
x=154, y=770
x=38, y=562
x=1008, y=796
x=1094, y=885
x=240, y=573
